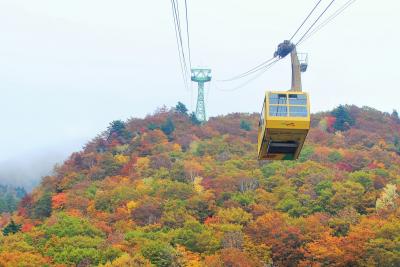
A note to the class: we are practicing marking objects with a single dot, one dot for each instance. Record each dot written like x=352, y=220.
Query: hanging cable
x=251, y=71
x=179, y=47
x=252, y=79
x=176, y=10
x=182, y=58
x=262, y=65
x=312, y=25
x=188, y=36
x=329, y=19
x=309, y=14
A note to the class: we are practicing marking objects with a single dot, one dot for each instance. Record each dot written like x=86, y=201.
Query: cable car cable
x=309, y=14
x=251, y=71
x=187, y=33
x=267, y=67
x=180, y=48
x=176, y=9
x=312, y=25
x=260, y=66
x=329, y=19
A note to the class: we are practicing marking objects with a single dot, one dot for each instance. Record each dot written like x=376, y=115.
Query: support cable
x=251, y=71
x=176, y=10
x=329, y=19
x=187, y=33
x=252, y=79
x=312, y=25
x=262, y=65
x=308, y=16
x=180, y=48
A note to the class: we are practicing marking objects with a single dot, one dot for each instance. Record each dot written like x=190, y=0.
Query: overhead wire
x=187, y=34
x=249, y=72
x=179, y=47
x=261, y=66
x=312, y=25
x=178, y=36
x=329, y=19
x=267, y=67
x=304, y=21
x=189, y=52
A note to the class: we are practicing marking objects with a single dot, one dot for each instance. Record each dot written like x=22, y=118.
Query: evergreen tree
x=193, y=119
x=11, y=228
x=396, y=143
x=20, y=192
x=43, y=206
x=395, y=115
x=343, y=118
x=168, y=127
x=118, y=129
x=245, y=125
x=3, y=207
x=181, y=108
x=11, y=202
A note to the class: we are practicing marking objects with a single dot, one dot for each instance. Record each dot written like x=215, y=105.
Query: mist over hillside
x=28, y=169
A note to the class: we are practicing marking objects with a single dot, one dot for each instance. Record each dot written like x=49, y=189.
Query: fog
x=27, y=169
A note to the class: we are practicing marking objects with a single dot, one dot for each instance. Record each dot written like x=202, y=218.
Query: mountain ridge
x=167, y=191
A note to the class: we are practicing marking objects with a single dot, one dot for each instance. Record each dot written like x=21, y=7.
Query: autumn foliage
x=166, y=191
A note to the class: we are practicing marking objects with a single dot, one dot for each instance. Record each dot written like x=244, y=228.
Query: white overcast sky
x=68, y=68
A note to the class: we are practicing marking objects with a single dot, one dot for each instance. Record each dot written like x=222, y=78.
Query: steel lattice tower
x=201, y=76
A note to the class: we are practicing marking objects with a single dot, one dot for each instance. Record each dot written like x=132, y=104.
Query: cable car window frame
x=278, y=110
x=298, y=111
x=280, y=104
x=277, y=99
x=297, y=99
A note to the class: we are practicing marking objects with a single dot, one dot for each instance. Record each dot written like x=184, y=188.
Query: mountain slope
x=166, y=191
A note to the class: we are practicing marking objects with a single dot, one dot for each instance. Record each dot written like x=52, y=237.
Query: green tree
x=3, y=207
x=335, y=156
x=363, y=178
x=395, y=116
x=11, y=228
x=71, y=226
x=347, y=194
x=197, y=238
x=117, y=129
x=20, y=192
x=160, y=254
x=181, y=108
x=42, y=207
x=343, y=118
x=79, y=250
x=193, y=119
x=306, y=153
x=245, y=125
x=8, y=203
x=396, y=144
x=168, y=126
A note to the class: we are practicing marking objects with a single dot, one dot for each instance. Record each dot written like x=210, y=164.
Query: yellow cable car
x=285, y=116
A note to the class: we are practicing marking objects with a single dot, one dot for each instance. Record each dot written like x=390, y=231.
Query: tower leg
x=200, y=108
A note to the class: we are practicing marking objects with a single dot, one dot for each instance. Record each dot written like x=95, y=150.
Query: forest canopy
x=167, y=190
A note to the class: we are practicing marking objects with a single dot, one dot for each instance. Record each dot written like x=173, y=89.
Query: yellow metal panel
x=282, y=129
x=287, y=123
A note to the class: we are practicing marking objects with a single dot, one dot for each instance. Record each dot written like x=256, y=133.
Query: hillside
x=166, y=191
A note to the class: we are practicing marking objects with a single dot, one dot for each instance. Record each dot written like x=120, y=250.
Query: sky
x=68, y=68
